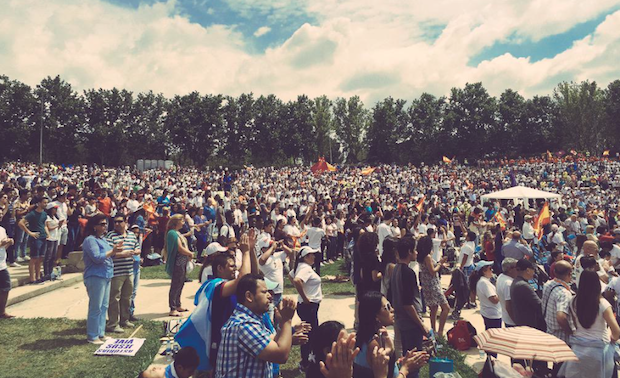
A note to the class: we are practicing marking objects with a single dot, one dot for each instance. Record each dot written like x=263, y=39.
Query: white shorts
x=64, y=233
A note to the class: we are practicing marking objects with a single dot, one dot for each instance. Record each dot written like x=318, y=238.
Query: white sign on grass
x=120, y=347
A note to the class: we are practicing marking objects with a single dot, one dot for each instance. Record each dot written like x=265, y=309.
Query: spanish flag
x=544, y=218
x=549, y=156
x=500, y=219
x=606, y=153
x=420, y=204
x=446, y=160
x=368, y=171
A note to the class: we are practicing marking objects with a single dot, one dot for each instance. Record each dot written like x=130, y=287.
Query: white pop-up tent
x=520, y=192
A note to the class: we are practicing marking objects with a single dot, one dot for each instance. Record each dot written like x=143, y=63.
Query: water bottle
x=168, y=351
x=482, y=354
x=175, y=349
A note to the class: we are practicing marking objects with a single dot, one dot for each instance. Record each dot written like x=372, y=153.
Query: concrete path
x=152, y=304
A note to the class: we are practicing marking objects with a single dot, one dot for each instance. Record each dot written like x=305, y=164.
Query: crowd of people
x=398, y=230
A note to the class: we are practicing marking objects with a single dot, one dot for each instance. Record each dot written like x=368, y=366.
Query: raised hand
x=379, y=362
x=339, y=362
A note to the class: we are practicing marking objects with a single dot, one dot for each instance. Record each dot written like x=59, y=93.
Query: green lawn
x=57, y=348
x=328, y=273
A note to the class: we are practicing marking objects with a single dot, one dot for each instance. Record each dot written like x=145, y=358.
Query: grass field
x=329, y=273
x=57, y=348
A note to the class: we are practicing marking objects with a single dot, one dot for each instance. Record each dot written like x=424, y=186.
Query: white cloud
x=262, y=31
x=355, y=47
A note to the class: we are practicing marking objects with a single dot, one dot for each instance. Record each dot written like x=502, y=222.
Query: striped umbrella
x=525, y=343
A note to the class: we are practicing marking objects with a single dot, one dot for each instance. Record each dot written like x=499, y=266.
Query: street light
x=43, y=104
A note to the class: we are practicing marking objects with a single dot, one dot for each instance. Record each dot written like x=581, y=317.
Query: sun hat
x=306, y=250
x=214, y=248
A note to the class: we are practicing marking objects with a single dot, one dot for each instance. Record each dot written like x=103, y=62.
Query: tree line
x=116, y=127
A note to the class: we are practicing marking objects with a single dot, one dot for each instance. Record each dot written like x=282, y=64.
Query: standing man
x=384, y=230
x=64, y=212
x=121, y=287
x=247, y=350
x=557, y=296
x=34, y=225
x=526, y=305
x=467, y=263
x=406, y=299
x=503, y=285
x=517, y=248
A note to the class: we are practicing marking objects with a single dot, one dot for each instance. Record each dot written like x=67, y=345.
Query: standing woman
x=591, y=341
x=52, y=229
x=431, y=288
x=308, y=285
x=98, y=272
x=178, y=254
x=490, y=308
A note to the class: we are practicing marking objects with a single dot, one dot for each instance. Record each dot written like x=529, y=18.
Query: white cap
x=214, y=248
x=306, y=250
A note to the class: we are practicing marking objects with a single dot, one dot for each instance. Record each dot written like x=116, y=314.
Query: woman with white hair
x=556, y=236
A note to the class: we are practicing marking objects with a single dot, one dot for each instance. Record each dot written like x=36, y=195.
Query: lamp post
x=41, y=136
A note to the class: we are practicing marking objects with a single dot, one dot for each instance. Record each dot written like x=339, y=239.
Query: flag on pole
x=420, y=204
x=543, y=218
x=446, y=160
x=549, y=156
x=606, y=153
x=368, y=171
x=573, y=152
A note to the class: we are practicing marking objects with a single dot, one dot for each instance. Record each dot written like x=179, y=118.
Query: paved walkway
x=152, y=304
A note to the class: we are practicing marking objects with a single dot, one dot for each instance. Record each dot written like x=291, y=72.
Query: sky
x=339, y=48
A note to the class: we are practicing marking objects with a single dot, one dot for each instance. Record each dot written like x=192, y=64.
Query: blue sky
x=338, y=48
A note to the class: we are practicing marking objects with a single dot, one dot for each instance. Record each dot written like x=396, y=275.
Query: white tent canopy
x=520, y=192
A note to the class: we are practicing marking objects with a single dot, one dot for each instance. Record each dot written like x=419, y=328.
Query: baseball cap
x=214, y=248
x=306, y=250
x=51, y=205
x=482, y=264
x=134, y=226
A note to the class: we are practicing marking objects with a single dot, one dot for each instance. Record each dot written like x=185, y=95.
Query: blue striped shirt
x=244, y=336
x=123, y=266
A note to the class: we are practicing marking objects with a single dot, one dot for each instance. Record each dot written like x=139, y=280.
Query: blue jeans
x=98, y=290
x=411, y=339
x=72, y=239
x=136, y=281
x=21, y=241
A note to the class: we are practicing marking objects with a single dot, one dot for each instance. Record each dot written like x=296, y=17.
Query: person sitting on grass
x=184, y=366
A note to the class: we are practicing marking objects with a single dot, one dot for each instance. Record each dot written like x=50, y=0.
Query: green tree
x=423, y=136
x=351, y=125
x=19, y=113
x=581, y=115
x=510, y=109
x=388, y=121
x=63, y=121
x=147, y=134
x=612, y=113
x=470, y=114
x=267, y=146
x=323, y=126
x=238, y=116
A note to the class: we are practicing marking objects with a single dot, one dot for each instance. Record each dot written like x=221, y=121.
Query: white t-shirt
x=274, y=270
x=312, y=282
x=3, y=235
x=488, y=309
x=615, y=254
x=468, y=249
x=504, y=282
x=55, y=233
x=437, y=251
x=598, y=330
x=315, y=235
x=383, y=231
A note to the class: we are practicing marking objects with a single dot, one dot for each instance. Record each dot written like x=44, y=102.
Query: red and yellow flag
x=446, y=160
x=500, y=219
x=368, y=171
x=606, y=153
x=543, y=218
x=420, y=204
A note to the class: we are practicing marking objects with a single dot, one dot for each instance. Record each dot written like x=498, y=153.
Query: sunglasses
x=388, y=307
x=103, y=224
